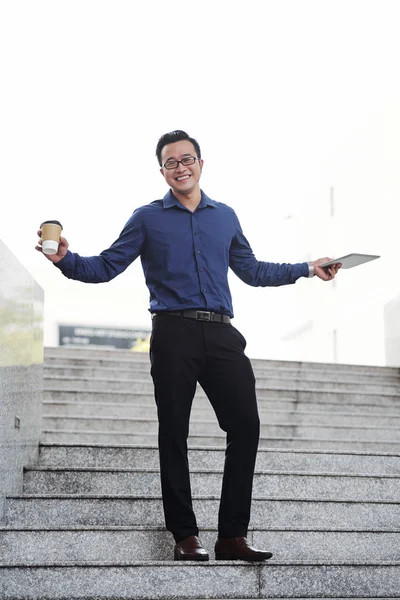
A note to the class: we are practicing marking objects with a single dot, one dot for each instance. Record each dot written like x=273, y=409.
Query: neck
x=191, y=200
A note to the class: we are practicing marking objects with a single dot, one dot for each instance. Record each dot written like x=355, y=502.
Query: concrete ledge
x=21, y=372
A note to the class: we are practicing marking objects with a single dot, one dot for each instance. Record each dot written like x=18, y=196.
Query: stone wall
x=21, y=372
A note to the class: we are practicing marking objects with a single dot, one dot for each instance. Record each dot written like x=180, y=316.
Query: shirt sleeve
x=111, y=262
x=258, y=273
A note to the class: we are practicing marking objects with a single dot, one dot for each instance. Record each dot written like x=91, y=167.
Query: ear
x=201, y=163
x=162, y=172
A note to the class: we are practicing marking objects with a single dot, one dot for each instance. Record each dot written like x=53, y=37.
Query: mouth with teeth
x=182, y=177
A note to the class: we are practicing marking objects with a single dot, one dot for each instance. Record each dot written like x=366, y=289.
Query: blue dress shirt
x=185, y=256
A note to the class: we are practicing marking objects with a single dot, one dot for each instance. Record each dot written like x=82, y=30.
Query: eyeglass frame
x=177, y=162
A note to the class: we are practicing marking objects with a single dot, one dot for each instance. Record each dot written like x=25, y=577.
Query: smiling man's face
x=182, y=179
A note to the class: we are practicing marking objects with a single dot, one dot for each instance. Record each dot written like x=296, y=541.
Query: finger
x=330, y=273
x=326, y=272
x=336, y=268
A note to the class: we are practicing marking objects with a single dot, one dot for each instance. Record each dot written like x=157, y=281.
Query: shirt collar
x=170, y=200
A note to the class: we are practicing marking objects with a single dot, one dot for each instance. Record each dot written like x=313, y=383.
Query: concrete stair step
x=206, y=412
x=37, y=511
x=56, y=480
x=70, y=436
x=126, y=544
x=322, y=397
x=75, y=352
x=78, y=356
x=118, y=457
x=211, y=428
x=265, y=403
x=89, y=527
x=57, y=408
x=142, y=371
x=144, y=383
x=204, y=580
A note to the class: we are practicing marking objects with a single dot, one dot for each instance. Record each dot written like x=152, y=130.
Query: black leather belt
x=199, y=315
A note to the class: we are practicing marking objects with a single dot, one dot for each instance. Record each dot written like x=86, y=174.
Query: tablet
x=350, y=260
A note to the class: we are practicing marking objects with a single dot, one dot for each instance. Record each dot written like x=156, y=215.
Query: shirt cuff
x=305, y=271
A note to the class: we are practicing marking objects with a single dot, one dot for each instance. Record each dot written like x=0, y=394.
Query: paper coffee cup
x=51, y=231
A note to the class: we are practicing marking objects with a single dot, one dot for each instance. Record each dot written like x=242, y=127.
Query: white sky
x=287, y=99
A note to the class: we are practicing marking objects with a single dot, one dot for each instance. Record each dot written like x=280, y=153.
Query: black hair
x=175, y=136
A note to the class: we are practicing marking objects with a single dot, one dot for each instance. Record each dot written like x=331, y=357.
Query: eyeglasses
x=186, y=161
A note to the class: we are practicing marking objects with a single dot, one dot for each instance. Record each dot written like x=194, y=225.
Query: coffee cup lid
x=53, y=222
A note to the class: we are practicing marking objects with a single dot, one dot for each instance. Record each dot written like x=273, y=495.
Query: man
x=186, y=242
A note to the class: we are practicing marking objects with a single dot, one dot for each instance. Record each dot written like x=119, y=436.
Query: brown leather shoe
x=237, y=548
x=190, y=549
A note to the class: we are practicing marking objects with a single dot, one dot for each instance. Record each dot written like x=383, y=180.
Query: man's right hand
x=62, y=249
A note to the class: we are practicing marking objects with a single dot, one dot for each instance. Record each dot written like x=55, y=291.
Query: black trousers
x=183, y=352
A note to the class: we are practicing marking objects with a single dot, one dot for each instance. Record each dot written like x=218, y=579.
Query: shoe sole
x=230, y=557
x=205, y=557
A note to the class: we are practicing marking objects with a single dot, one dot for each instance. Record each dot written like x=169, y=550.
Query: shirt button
x=198, y=251
x=204, y=289
x=201, y=269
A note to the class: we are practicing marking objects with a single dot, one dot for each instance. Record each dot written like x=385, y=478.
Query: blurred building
x=137, y=340
x=392, y=332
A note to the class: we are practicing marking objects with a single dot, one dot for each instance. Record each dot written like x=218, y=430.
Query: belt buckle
x=203, y=315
